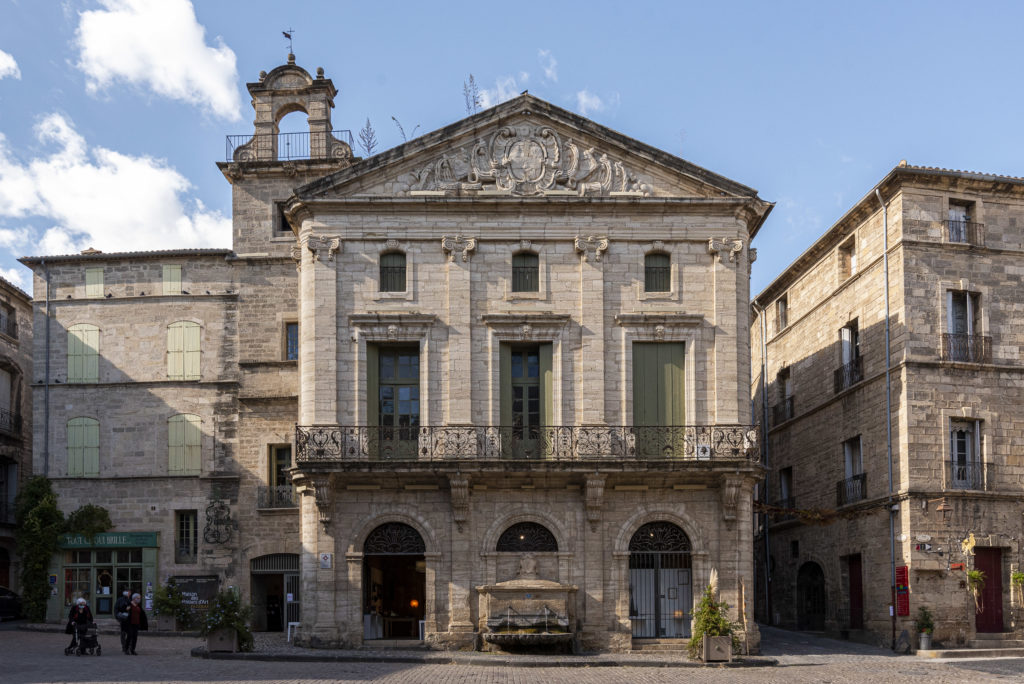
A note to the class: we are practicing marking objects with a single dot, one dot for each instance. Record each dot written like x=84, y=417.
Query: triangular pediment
x=525, y=147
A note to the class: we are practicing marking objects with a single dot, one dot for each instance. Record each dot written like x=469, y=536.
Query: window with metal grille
x=526, y=537
x=657, y=273
x=186, y=538
x=525, y=272
x=291, y=341
x=392, y=272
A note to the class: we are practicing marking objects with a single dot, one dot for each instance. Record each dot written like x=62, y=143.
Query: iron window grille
x=657, y=273
x=525, y=273
x=392, y=272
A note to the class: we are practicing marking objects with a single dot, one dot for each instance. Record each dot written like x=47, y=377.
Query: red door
x=856, y=593
x=990, y=561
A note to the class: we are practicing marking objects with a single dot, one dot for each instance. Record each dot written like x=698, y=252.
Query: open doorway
x=394, y=583
x=275, y=591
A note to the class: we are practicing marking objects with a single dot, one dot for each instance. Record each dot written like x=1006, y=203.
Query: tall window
x=959, y=222
x=525, y=272
x=965, y=453
x=186, y=536
x=183, y=351
x=848, y=258
x=781, y=313
x=184, y=444
x=94, y=283
x=291, y=341
x=392, y=272
x=83, y=447
x=657, y=273
x=8, y=320
x=850, y=370
x=963, y=340
x=853, y=458
x=394, y=398
x=786, y=484
x=83, y=353
x=172, y=280
x=785, y=409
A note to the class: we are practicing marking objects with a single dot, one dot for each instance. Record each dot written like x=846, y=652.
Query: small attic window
x=280, y=222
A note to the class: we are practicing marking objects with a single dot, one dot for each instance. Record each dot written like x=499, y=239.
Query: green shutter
x=176, y=444
x=191, y=350
x=671, y=360
x=175, y=351
x=505, y=383
x=172, y=280
x=547, y=385
x=372, y=384
x=91, y=447
x=658, y=383
x=94, y=283
x=75, y=465
x=83, y=353
x=91, y=355
x=149, y=559
x=645, y=404
x=75, y=354
x=193, y=444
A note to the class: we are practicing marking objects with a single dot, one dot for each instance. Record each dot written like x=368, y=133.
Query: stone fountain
x=527, y=613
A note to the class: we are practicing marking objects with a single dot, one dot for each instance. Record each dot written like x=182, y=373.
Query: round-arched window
x=527, y=537
x=394, y=538
x=660, y=536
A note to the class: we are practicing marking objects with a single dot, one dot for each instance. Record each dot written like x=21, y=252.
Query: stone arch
x=811, y=596
x=286, y=107
x=523, y=514
x=647, y=515
x=403, y=514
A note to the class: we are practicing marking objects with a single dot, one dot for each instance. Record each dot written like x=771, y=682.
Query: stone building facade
x=15, y=418
x=957, y=410
x=511, y=350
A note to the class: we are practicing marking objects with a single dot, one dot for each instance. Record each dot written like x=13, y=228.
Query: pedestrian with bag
x=121, y=613
x=136, y=622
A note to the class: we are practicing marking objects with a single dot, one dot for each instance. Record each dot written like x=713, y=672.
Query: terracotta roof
x=103, y=256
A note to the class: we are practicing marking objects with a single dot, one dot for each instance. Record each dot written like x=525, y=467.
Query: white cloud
x=587, y=102
x=103, y=199
x=16, y=276
x=160, y=45
x=14, y=238
x=8, y=67
x=505, y=88
x=549, y=64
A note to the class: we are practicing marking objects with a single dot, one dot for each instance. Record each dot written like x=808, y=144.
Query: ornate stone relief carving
x=717, y=246
x=296, y=254
x=451, y=244
x=525, y=245
x=731, y=487
x=595, y=500
x=391, y=244
x=390, y=327
x=752, y=254
x=529, y=327
x=460, y=499
x=592, y=245
x=526, y=160
x=318, y=245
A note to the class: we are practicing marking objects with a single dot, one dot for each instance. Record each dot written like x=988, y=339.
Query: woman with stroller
x=136, y=621
x=80, y=616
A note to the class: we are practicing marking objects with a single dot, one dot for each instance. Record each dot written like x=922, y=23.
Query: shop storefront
x=99, y=569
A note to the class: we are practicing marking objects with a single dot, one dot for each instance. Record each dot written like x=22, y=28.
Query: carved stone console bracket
x=731, y=487
x=320, y=484
x=592, y=245
x=595, y=500
x=451, y=244
x=460, y=499
x=318, y=245
x=527, y=327
x=716, y=246
x=391, y=327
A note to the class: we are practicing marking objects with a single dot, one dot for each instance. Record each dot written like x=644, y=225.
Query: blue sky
x=113, y=112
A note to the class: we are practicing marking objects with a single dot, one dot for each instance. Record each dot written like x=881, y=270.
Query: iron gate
x=660, y=586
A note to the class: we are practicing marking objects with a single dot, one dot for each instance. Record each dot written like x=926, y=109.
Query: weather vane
x=288, y=34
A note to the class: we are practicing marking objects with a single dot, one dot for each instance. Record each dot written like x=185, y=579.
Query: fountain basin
x=527, y=613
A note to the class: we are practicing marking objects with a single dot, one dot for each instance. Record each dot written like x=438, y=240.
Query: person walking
x=136, y=622
x=80, y=616
x=121, y=613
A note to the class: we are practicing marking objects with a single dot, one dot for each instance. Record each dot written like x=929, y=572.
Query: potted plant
x=712, y=638
x=226, y=625
x=171, y=610
x=975, y=584
x=924, y=625
x=1017, y=580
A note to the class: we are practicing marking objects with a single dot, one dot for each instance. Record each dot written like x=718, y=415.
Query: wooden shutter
x=176, y=445
x=83, y=435
x=83, y=353
x=846, y=338
x=372, y=384
x=505, y=384
x=75, y=465
x=658, y=383
x=547, y=386
x=5, y=392
x=172, y=280
x=193, y=444
x=94, y=283
x=175, y=351
x=190, y=344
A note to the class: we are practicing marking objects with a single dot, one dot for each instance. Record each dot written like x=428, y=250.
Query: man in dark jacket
x=136, y=621
x=81, y=616
x=121, y=613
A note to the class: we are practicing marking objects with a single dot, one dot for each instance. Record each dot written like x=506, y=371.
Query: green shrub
x=709, y=620
x=924, y=622
x=40, y=524
x=168, y=600
x=228, y=612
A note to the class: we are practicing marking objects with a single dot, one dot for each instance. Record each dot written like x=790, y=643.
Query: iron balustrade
x=852, y=490
x=969, y=348
x=282, y=496
x=966, y=475
x=327, y=444
x=289, y=146
x=964, y=232
x=849, y=374
x=10, y=422
x=783, y=411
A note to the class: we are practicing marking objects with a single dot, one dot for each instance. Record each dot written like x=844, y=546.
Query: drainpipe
x=888, y=417
x=46, y=380
x=764, y=452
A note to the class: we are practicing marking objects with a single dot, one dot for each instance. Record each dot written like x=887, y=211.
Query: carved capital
x=734, y=247
x=460, y=499
x=457, y=243
x=319, y=484
x=591, y=246
x=595, y=499
x=323, y=245
x=731, y=487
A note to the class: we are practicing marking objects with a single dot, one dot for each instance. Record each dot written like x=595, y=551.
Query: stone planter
x=165, y=623
x=222, y=640
x=716, y=649
x=926, y=642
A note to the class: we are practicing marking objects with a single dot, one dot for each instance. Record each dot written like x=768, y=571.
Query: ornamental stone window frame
x=392, y=328
x=526, y=247
x=526, y=328
x=674, y=251
x=666, y=327
x=564, y=535
x=409, y=293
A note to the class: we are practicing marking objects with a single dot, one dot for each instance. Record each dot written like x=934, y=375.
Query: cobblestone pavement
x=38, y=657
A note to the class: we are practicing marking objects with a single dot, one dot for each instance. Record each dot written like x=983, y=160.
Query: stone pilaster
x=592, y=357
x=459, y=375
x=318, y=329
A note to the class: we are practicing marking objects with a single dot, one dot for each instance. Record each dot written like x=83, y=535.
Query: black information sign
x=197, y=590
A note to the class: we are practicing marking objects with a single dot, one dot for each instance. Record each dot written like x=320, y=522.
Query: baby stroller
x=85, y=640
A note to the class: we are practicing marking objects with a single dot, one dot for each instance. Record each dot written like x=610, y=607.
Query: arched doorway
x=810, y=597
x=660, y=582
x=394, y=582
x=275, y=591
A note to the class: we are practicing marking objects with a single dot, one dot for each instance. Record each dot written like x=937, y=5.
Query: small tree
x=709, y=620
x=368, y=138
x=924, y=624
x=471, y=93
x=89, y=520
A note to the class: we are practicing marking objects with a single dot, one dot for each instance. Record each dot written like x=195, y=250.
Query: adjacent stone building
x=956, y=388
x=15, y=418
x=505, y=360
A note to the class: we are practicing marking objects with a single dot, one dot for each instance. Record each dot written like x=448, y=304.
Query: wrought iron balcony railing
x=282, y=496
x=10, y=422
x=969, y=348
x=336, y=443
x=849, y=374
x=966, y=475
x=852, y=490
x=965, y=232
x=289, y=146
x=783, y=411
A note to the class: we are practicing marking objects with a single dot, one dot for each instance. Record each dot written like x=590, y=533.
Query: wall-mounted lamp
x=945, y=510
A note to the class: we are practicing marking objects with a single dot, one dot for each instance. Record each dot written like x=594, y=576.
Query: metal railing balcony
x=966, y=348
x=849, y=374
x=783, y=411
x=289, y=146
x=852, y=490
x=965, y=232
x=10, y=422
x=966, y=475
x=281, y=496
x=337, y=443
